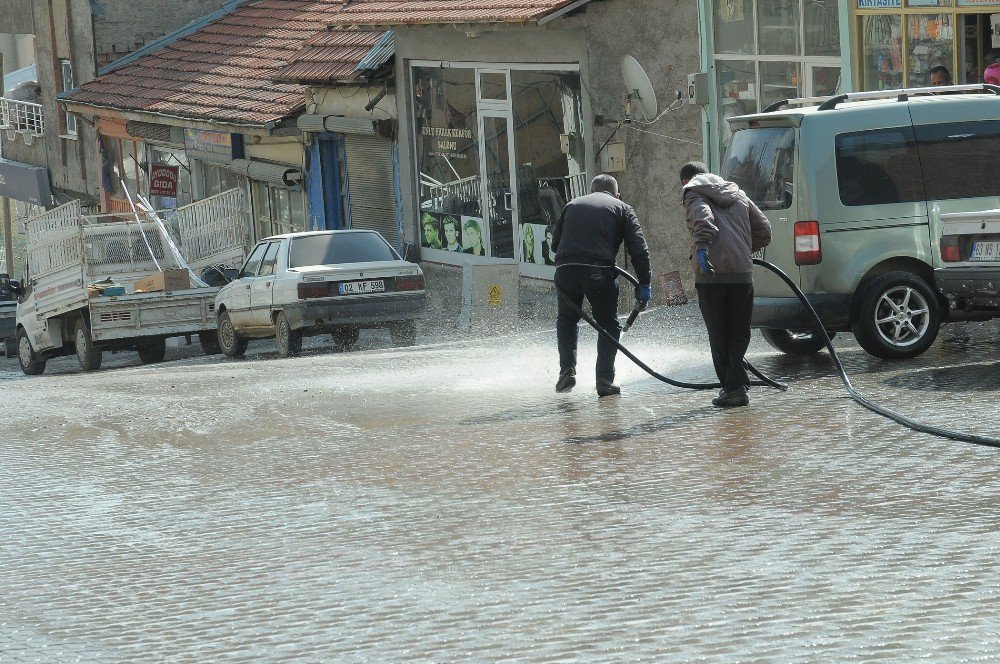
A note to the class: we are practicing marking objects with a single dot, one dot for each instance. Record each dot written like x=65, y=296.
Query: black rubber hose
x=765, y=382
x=860, y=398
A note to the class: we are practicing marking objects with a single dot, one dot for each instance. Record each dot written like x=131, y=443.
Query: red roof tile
x=224, y=71
x=413, y=12
x=327, y=56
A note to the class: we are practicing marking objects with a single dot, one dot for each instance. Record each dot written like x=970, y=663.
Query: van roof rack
x=797, y=101
x=903, y=94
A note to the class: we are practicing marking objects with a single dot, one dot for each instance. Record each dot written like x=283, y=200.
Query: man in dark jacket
x=726, y=227
x=587, y=236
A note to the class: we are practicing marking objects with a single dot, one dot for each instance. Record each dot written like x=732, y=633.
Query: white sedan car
x=302, y=284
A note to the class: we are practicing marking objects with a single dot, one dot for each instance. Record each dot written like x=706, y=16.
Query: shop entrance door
x=499, y=193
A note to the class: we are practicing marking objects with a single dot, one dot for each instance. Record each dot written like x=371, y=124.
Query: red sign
x=163, y=180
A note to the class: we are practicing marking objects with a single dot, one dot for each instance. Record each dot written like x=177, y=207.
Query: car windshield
x=339, y=248
x=761, y=162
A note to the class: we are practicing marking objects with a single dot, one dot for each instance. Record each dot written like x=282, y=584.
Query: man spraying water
x=587, y=236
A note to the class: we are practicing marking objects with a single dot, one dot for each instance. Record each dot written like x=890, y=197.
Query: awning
x=335, y=123
x=278, y=174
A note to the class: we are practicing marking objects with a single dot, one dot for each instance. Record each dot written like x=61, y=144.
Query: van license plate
x=985, y=251
x=362, y=287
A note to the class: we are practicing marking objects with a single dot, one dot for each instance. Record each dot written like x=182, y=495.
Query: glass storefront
x=766, y=51
x=901, y=42
x=499, y=150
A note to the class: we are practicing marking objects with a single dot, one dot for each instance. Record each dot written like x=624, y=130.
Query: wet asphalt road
x=442, y=503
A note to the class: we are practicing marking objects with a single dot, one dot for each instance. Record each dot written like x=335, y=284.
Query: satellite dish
x=639, y=88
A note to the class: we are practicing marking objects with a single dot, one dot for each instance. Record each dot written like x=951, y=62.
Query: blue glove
x=701, y=253
x=643, y=294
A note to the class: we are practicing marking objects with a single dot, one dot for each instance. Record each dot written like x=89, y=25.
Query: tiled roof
x=331, y=55
x=225, y=71
x=414, y=12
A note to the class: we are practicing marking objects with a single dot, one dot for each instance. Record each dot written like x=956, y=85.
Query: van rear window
x=960, y=159
x=878, y=167
x=761, y=162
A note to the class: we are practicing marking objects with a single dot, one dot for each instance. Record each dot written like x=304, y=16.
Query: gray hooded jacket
x=725, y=221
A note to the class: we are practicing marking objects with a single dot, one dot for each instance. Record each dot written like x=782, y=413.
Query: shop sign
x=445, y=142
x=208, y=145
x=24, y=182
x=163, y=180
x=879, y=4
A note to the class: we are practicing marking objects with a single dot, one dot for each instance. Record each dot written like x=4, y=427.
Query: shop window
x=121, y=165
x=734, y=26
x=883, y=52
x=548, y=142
x=278, y=210
x=737, y=94
x=446, y=121
x=778, y=27
x=779, y=80
x=959, y=159
x=822, y=28
x=878, y=167
x=762, y=162
x=929, y=45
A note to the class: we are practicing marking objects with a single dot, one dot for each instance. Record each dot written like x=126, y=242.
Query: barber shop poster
x=446, y=231
x=536, y=244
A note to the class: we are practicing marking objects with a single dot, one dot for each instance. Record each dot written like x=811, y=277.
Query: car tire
x=795, y=342
x=30, y=363
x=88, y=354
x=231, y=342
x=898, y=316
x=403, y=334
x=209, y=342
x=154, y=352
x=289, y=340
x=345, y=337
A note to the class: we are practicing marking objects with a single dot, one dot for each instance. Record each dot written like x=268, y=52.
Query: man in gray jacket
x=726, y=228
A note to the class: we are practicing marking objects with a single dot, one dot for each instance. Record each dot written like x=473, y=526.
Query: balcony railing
x=21, y=118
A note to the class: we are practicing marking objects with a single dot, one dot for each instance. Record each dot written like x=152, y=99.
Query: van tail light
x=414, y=283
x=950, y=251
x=807, y=246
x=320, y=289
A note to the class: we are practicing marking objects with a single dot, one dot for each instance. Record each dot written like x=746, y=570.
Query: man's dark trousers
x=726, y=309
x=600, y=287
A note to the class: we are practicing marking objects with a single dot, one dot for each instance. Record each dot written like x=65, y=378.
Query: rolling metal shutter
x=371, y=185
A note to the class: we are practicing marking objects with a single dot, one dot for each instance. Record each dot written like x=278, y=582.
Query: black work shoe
x=733, y=399
x=607, y=389
x=567, y=380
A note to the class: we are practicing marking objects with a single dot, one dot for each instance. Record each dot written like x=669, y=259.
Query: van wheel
x=231, y=342
x=898, y=317
x=87, y=352
x=30, y=363
x=796, y=342
x=289, y=340
x=154, y=352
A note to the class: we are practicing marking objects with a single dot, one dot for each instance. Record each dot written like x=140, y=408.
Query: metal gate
x=371, y=185
x=214, y=231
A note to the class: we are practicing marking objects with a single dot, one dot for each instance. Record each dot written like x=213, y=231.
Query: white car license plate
x=362, y=287
x=985, y=251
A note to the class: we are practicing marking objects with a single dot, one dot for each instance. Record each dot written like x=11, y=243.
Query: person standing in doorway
x=726, y=228
x=586, y=239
